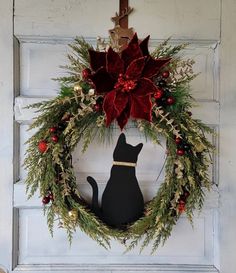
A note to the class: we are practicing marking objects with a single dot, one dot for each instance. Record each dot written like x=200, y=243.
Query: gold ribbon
x=127, y=164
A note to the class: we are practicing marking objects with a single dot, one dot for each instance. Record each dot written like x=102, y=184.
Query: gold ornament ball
x=77, y=88
x=73, y=214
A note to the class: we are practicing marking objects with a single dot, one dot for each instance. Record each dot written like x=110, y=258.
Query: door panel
x=42, y=47
x=43, y=28
x=63, y=18
x=84, y=250
x=188, y=19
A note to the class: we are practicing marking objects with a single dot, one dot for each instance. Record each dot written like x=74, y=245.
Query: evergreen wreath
x=109, y=85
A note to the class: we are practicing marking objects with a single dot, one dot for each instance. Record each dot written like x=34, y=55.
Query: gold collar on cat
x=128, y=164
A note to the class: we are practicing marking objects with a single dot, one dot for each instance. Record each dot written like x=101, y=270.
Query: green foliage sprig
x=72, y=112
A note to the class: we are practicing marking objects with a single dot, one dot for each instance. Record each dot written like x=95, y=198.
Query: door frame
x=227, y=186
x=6, y=132
x=227, y=149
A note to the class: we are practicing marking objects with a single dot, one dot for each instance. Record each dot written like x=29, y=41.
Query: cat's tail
x=95, y=205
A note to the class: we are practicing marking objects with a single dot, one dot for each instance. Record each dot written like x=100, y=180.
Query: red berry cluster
x=163, y=95
x=125, y=84
x=86, y=73
x=182, y=146
x=55, y=132
x=181, y=207
x=54, y=136
x=47, y=198
x=43, y=144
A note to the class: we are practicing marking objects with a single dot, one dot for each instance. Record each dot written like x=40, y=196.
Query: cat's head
x=125, y=152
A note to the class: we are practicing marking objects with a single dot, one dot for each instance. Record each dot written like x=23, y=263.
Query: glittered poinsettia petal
x=115, y=65
x=108, y=107
x=132, y=51
x=135, y=69
x=153, y=66
x=124, y=116
x=103, y=81
x=141, y=108
x=97, y=59
x=144, y=87
x=120, y=101
x=144, y=46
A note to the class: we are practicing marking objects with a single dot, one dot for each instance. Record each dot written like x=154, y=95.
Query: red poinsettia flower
x=126, y=81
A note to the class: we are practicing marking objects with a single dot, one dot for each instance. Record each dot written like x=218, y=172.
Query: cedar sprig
x=161, y=213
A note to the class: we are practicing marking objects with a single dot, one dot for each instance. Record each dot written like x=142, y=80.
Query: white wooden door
x=40, y=31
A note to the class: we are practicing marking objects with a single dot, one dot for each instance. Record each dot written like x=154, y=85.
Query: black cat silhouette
x=122, y=199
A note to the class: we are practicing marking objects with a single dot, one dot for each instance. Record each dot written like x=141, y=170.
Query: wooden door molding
x=6, y=132
x=160, y=268
x=38, y=38
x=227, y=138
x=210, y=107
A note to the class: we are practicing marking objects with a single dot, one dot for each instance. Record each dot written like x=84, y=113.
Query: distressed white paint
x=21, y=201
x=189, y=19
x=90, y=18
x=6, y=132
x=228, y=132
x=84, y=250
x=45, y=54
x=44, y=27
x=37, y=53
x=48, y=59
x=208, y=111
x=64, y=17
x=119, y=268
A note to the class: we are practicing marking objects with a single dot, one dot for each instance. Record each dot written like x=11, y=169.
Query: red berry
x=52, y=129
x=189, y=113
x=98, y=107
x=180, y=152
x=86, y=73
x=45, y=200
x=170, y=101
x=181, y=206
x=178, y=140
x=54, y=138
x=165, y=74
x=42, y=146
x=159, y=93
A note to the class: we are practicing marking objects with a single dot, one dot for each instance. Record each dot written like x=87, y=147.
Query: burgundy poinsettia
x=125, y=80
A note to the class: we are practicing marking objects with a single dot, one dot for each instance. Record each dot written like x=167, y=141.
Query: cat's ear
x=121, y=139
x=139, y=147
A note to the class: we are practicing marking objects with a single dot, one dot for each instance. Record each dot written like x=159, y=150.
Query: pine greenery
x=72, y=112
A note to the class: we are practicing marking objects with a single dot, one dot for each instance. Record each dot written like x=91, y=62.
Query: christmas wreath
x=112, y=85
